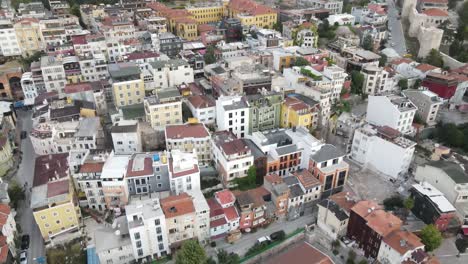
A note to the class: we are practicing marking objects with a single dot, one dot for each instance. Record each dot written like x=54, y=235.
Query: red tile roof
x=345, y=200
x=225, y=197
x=194, y=169
x=146, y=170
x=205, y=28
x=79, y=40
x=379, y=9
x=201, y=101
x=424, y=67
x=186, y=131
x=273, y=178
x=400, y=61
x=307, y=179
x=177, y=205
x=215, y=207
x=218, y=222
x=91, y=167
x=50, y=166
x=250, y=7
x=3, y=249
x=300, y=253
x=231, y=213
x=403, y=241
x=435, y=12
x=295, y=104
x=377, y=219
x=77, y=87
x=57, y=188
x=435, y=1
x=142, y=55
x=5, y=211
x=235, y=146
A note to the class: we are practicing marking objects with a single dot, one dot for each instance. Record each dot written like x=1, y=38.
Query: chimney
x=402, y=243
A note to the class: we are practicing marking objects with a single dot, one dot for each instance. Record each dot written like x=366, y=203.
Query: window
x=160, y=238
x=157, y=222
x=137, y=235
x=158, y=230
x=138, y=244
x=140, y=252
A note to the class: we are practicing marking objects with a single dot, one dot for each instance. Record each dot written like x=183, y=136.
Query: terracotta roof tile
x=307, y=179
x=300, y=253
x=225, y=197
x=57, y=188
x=147, y=168
x=424, y=67
x=231, y=213
x=50, y=166
x=435, y=12
x=345, y=200
x=3, y=249
x=251, y=7
x=295, y=104
x=403, y=241
x=215, y=207
x=235, y=146
x=201, y=101
x=177, y=205
x=91, y=167
x=273, y=178
x=186, y=131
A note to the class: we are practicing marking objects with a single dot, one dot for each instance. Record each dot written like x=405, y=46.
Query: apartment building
x=53, y=74
x=114, y=182
x=283, y=156
x=184, y=173
x=113, y=242
x=191, y=138
x=118, y=28
x=232, y=114
x=250, y=13
x=9, y=45
x=402, y=246
x=280, y=193
x=295, y=112
x=304, y=189
x=126, y=137
x=28, y=34
x=128, y=87
x=148, y=173
x=394, y=111
x=334, y=6
x=231, y=155
x=369, y=224
x=203, y=108
x=252, y=207
x=427, y=103
x=207, y=12
x=53, y=201
x=170, y=44
x=376, y=81
x=89, y=92
x=333, y=214
x=93, y=68
x=265, y=110
x=147, y=229
x=53, y=31
x=384, y=149
x=179, y=211
x=164, y=109
x=181, y=21
x=171, y=73
x=8, y=227
x=328, y=166
x=224, y=217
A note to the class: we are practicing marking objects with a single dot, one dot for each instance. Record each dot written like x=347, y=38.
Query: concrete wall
x=429, y=38
x=451, y=62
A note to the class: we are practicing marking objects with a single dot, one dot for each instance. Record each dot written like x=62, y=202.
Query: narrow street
x=396, y=28
x=25, y=176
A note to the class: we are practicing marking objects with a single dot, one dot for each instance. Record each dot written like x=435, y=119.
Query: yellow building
x=186, y=28
x=295, y=112
x=128, y=87
x=55, y=207
x=208, y=12
x=29, y=36
x=250, y=13
x=180, y=21
x=164, y=109
x=6, y=155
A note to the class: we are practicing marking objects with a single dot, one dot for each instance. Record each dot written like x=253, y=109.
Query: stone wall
x=429, y=38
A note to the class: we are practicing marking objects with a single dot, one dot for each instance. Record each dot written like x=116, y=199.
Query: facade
x=147, y=229
x=203, y=108
x=376, y=81
x=184, y=173
x=295, y=112
x=29, y=35
x=252, y=208
x=126, y=137
x=8, y=227
x=328, y=166
x=251, y=13
x=231, y=155
x=180, y=216
x=114, y=182
x=208, y=12
x=164, y=109
x=332, y=218
x=443, y=85
x=9, y=45
x=265, y=110
x=170, y=44
x=232, y=114
x=53, y=75
x=6, y=155
x=401, y=247
x=171, y=73
x=431, y=206
x=127, y=84
x=191, y=138
x=148, y=173
x=394, y=111
x=113, y=243
x=384, y=149
x=279, y=193
x=427, y=102
x=369, y=224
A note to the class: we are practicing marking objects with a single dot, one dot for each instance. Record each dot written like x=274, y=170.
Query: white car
x=393, y=44
x=263, y=240
x=23, y=258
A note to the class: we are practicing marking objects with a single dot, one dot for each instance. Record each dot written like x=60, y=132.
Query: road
x=247, y=240
x=398, y=36
x=25, y=176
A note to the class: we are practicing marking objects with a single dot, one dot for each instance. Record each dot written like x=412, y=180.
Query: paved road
x=248, y=240
x=398, y=36
x=25, y=175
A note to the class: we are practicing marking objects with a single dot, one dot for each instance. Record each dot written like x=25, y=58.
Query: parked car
x=278, y=235
x=23, y=134
x=25, y=242
x=23, y=258
x=264, y=240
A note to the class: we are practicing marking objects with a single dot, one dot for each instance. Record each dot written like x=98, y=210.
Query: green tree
x=26, y=62
x=408, y=203
x=209, y=56
x=434, y=58
x=383, y=60
x=249, y=181
x=431, y=237
x=16, y=193
x=75, y=10
x=191, y=253
x=227, y=258
x=357, y=80
x=393, y=202
x=417, y=84
x=403, y=84
x=367, y=42
x=300, y=61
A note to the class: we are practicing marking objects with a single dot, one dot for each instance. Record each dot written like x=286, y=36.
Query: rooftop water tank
x=156, y=157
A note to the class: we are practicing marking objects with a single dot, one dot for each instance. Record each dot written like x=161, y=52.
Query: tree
x=300, y=61
x=393, y=202
x=417, y=84
x=227, y=258
x=403, y=84
x=434, y=58
x=249, y=181
x=382, y=60
x=209, y=56
x=357, y=80
x=16, y=193
x=26, y=62
x=191, y=253
x=367, y=42
x=408, y=203
x=431, y=237
x=75, y=10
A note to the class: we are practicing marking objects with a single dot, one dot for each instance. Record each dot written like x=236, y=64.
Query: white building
x=341, y=19
x=171, y=73
x=202, y=215
x=9, y=45
x=29, y=89
x=184, y=174
x=113, y=243
x=427, y=102
x=394, y=111
x=53, y=74
x=384, y=149
x=399, y=247
x=8, y=226
x=203, y=108
x=126, y=137
x=191, y=138
x=147, y=229
x=376, y=81
x=232, y=114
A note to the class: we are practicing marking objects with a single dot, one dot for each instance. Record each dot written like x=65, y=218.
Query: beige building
x=6, y=155
x=128, y=87
x=164, y=109
x=180, y=217
x=29, y=35
x=190, y=138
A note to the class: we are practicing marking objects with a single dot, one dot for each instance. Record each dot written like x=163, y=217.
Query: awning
x=465, y=231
